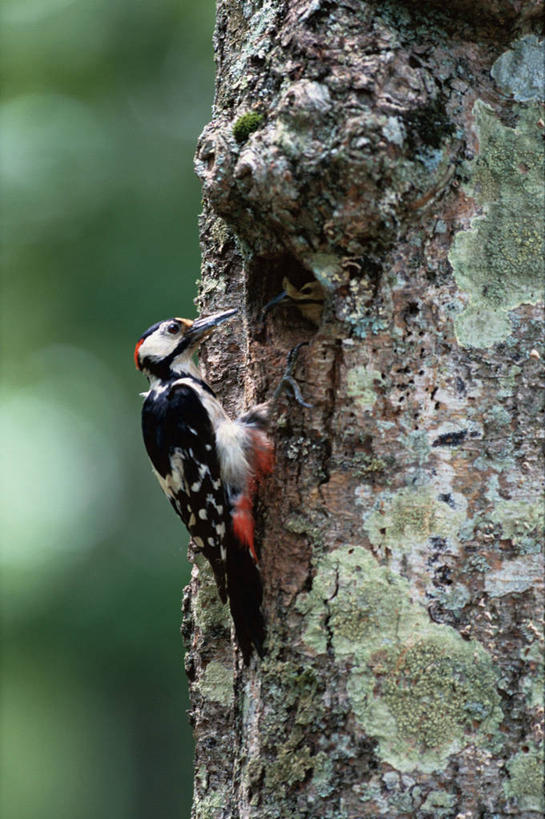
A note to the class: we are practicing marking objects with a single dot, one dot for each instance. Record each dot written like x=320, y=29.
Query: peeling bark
x=394, y=154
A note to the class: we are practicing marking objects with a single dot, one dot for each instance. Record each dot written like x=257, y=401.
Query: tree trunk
x=394, y=154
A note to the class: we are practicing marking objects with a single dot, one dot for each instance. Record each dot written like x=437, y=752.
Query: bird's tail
x=244, y=587
x=245, y=593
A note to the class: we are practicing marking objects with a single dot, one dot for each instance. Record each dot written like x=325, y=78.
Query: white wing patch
x=174, y=481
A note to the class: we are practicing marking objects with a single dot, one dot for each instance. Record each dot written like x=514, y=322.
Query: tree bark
x=393, y=153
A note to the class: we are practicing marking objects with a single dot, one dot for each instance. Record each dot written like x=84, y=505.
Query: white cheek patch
x=158, y=345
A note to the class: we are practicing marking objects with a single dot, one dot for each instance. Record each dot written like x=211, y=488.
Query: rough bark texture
x=395, y=154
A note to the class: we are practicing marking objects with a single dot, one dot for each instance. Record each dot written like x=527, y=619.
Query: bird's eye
x=173, y=328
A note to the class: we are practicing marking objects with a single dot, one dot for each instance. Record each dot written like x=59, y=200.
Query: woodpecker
x=207, y=465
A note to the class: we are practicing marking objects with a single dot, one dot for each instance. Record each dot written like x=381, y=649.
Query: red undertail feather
x=243, y=519
x=263, y=454
x=243, y=523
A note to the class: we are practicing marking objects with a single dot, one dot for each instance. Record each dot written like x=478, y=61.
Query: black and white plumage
x=207, y=465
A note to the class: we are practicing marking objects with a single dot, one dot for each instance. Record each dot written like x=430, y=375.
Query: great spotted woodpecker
x=208, y=466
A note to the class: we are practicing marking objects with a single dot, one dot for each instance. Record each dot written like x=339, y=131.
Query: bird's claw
x=288, y=379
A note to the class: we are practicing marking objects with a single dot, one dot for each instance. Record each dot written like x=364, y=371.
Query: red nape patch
x=243, y=523
x=138, y=345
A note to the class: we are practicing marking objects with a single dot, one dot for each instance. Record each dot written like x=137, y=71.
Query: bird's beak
x=283, y=296
x=202, y=327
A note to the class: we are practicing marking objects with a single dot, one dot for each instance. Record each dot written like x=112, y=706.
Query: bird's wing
x=181, y=444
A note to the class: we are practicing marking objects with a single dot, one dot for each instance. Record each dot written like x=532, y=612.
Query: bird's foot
x=288, y=380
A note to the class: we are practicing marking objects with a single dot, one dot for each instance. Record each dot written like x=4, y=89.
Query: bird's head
x=166, y=348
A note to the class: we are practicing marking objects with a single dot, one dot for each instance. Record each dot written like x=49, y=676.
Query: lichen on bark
x=499, y=262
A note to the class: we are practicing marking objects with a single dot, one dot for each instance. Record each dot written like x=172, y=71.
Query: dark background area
x=102, y=104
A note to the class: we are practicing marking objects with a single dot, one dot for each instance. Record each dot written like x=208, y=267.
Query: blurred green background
x=103, y=101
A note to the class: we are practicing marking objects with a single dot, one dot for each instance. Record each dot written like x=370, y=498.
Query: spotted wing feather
x=180, y=442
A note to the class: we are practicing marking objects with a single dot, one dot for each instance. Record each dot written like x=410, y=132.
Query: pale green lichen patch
x=439, y=803
x=499, y=261
x=522, y=521
x=526, y=780
x=209, y=610
x=393, y=801
x=359, y=386
x=298, y=524
x=323, y=775
x=416, y=687
x=354, y=610
x=210, y=806
x=290, y=766
x=363, y=464
x=403, y=521
x=407, y=526
x=440, y=692
x=217, y=683
x=361, y=608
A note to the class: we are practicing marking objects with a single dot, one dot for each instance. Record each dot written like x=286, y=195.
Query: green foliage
x=102, y=106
